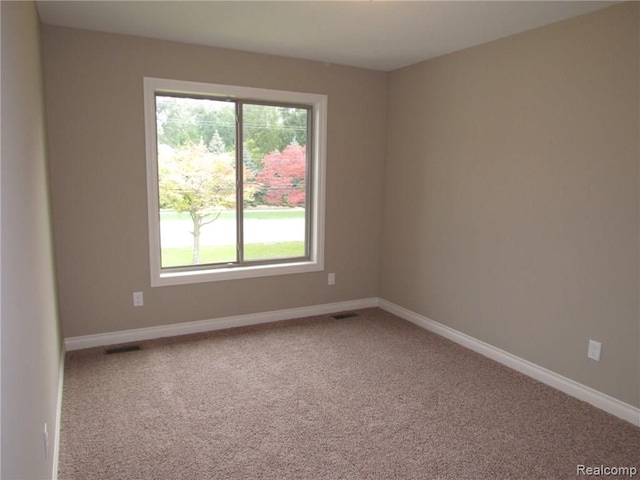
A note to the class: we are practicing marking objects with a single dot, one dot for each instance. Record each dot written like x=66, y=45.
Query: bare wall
x=511, y=208
x=31, y=345
x=98, y=190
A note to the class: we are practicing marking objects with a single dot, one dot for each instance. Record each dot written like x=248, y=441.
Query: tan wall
x=98, y=189
x=31, y=345
x=511, y=209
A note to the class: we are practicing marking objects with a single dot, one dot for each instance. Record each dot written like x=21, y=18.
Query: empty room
x=319, y=240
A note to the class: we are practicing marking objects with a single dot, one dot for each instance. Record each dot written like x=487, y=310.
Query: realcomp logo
x=605, y=471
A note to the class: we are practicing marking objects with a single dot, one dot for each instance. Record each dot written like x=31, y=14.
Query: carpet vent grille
x=125, y=349
x=340, y=316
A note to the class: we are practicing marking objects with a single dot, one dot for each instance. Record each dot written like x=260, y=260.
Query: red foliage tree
x=283, y=176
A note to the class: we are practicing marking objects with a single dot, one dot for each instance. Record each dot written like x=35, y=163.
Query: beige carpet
x=371, y=397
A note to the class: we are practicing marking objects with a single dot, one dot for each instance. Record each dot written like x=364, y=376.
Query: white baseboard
x=139, y=334
x=570, y=387
x=56, y=437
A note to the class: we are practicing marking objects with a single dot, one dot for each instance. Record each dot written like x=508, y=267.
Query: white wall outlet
x=46, y=442
x=332, y=279
x=138, y=299
x=594, y=350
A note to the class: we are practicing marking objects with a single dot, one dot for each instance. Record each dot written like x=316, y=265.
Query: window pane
x=196, y=180
x=275, y=196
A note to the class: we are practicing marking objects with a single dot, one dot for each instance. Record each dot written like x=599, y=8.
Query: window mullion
x=239, y=185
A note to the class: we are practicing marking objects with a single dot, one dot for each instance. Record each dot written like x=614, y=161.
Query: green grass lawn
x=174, y=257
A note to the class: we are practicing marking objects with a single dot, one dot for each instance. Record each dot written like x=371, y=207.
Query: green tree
x=269, y=129
x=216, y=145
x=295, y=121
x=186, y=121
x=195, y=181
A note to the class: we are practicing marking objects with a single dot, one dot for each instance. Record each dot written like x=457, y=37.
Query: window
x=235, y=181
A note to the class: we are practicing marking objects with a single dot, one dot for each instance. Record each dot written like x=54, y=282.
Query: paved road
x=176, y=233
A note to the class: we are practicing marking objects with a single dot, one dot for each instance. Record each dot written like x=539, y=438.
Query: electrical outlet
x=138, y=299
x=594, y=350
x=332, y=279
x=46, y=442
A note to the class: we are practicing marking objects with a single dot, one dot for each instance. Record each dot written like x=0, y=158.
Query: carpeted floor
x=369, y=397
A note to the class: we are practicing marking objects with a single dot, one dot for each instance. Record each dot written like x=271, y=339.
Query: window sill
x=164, y=279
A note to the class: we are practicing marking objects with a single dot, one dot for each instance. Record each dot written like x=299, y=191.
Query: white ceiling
x=381, y=35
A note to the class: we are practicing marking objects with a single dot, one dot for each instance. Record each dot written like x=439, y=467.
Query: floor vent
x=125, y=349
x=340, y=316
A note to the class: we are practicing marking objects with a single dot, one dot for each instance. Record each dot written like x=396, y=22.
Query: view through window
x=235, y=181
x=232, y=181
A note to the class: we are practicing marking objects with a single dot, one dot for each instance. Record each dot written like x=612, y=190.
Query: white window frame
x=164, y=277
